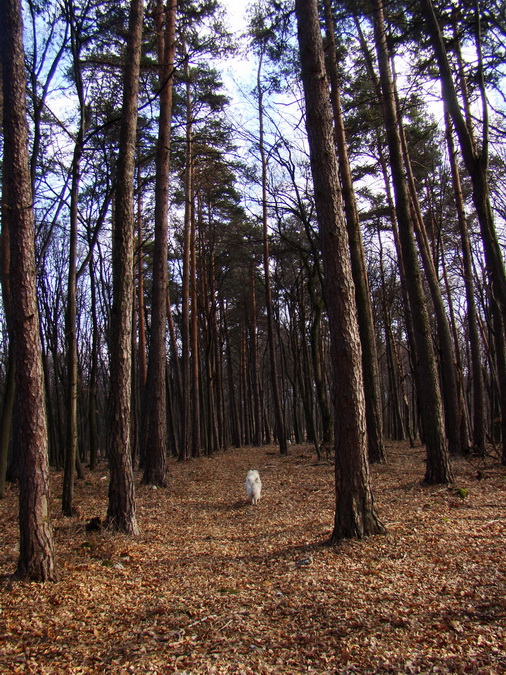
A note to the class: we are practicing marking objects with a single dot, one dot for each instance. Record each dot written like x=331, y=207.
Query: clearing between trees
x=215, y=585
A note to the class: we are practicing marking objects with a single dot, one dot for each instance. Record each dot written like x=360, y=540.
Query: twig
x=204, y=618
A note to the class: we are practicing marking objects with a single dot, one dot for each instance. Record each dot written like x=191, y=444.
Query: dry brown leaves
x=213, y=585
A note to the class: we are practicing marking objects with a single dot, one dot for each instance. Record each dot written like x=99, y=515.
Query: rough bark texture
x=36, y=553
x=438, y=468
x=121, y=514
x=355, y=513
x=196, y=439
x=370, y=365
x=155, y=429
x=185, y=450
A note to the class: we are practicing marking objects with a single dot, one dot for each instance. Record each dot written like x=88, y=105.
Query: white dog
x=253, y=486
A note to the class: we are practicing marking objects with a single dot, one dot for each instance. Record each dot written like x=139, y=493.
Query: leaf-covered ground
x=214, y=585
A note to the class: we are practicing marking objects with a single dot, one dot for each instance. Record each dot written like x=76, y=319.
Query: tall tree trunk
x=278, y=412
x=36, y=559
x=306, y=384
x=316, y=358
x=393, y=219
x=93, y=383
x=478, y=401
x=500, y=356
x=121, y=513
x=453, y=398
x=196, y=440
x=6, y=418
x=355, y=514
x=178, y=397
x=10, y=379
x=438, y=468
x=141, y=320
x=185, y=293
x=475, y=158
x=68, y=507
x=155, y=411
x=397, y=431
x=363, y=297
x=139, y=353
x=254, y=370
x=452, y=319
x=235, y=426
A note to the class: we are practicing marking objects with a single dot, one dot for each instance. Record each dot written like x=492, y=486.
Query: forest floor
x=215, y=585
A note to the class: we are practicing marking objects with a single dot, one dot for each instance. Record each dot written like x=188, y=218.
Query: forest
x=275, y=244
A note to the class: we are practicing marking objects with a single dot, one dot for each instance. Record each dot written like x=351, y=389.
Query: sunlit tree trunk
x=155, y=408
x=364, y=309
x=36, y=552
x=194, y=340
x=121, y=513
x=141, y=320
x=185, y=450
x=355, y=514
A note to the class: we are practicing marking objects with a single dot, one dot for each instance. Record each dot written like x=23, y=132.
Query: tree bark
x=363, y=297
x=254, y=370
x=355, y=514
x=68, y=507
x=453, y=399
x=141, y=319
x=235, y=426
x=121, y=513
x=438, y=468
x=196, y=432
x=472, y=322
x=36, y=552
x=316, y=359
x=185, y=292
x=10, y=378
x=93, y=381
x=155, y=410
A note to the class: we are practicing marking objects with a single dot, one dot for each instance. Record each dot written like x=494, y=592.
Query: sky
x=236, y=10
